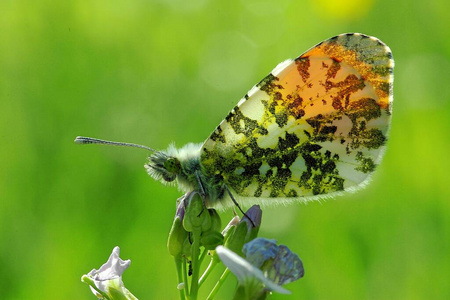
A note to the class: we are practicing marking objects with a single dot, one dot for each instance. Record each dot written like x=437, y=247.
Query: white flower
x=245, y=272
x=106, y=282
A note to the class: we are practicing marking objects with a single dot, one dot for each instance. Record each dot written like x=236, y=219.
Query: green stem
x=219, y=284
x=185, y=278
x=178, y=265
x=202, y=257
x=208, y=270
x=195, y=263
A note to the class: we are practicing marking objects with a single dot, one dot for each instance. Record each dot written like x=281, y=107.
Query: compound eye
x=172, y=165
x=168, y=178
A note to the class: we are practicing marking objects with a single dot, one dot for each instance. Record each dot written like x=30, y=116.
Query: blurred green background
x=154, y=72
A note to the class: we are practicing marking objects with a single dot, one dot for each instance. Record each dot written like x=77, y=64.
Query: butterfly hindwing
x=315, y=125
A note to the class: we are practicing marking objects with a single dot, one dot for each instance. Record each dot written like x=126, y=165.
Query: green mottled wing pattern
x=314, y=126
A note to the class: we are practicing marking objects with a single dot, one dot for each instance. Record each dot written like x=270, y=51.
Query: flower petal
x=288, y=266
x=244, y=270
x=108, y=279
x=113, y=268
x=259, y=250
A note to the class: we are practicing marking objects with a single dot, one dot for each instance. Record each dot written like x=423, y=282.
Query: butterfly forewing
x=315, y=125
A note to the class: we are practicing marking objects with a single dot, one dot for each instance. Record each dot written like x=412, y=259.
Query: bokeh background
x=155, y=72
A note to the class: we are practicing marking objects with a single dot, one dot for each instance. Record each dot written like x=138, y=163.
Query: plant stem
x=208, y=270
x=178, y=265
x=219, y=283
x=202, y=257
x=195, y=263
x=186, y=282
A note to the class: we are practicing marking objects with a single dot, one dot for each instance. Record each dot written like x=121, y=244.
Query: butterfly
x=316, y=126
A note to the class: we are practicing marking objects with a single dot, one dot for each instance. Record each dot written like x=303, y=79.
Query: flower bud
x=216, y=222
x=253, y=218
x=207, y=222
x=187, y=247
x=233, y=223
x=181, y=207
x=176, y=239
x=194, y=216
x=236, y=238
x=211, y=239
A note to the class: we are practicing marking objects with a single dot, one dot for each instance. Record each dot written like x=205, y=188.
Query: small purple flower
x=278, y=263
x=245, y=272
x=266, y=266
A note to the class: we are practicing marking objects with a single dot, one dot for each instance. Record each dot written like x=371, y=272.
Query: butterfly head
x=163, y=167
x=176, y=165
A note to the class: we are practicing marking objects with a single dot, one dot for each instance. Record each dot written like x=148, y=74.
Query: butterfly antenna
x=88, y=140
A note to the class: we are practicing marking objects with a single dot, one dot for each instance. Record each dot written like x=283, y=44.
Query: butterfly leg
x=237, y=204
x=200, y=184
